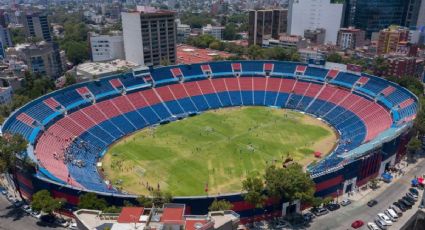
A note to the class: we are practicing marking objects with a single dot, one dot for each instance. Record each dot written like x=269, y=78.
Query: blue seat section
x=270, y=98
x=160, y=74
x=316, y=72
x=191, y=70
x=281, y=99
x=213, y=100
x=68, y=97
x=124, y=124
x=293, y=101
x=347, y=78
x=252, y=66
x=235, y=97
x=187, y=105
x=174, y=107
x=149, y=114
x=107, y=132
x=225, y=99
x=397, y=97
x=39, y=111
x=129, y=80
x=247, y=98
x=221, y=67
x=259, y=97
x=303, y=103
x=161, y=111
x=286, y=67
x=408, y=111
x=100, y=87
x=376, y=84
x=200, y=102
x=136, y=119
x=16, y=126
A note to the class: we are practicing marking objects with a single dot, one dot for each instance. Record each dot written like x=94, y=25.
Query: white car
x=73, y=226
x=397, y=210
x=27, y=208
x=381, y=224
x=385, y=219
x=391, y=214
x=36, y=214
x=345, y=202
x=373, y=226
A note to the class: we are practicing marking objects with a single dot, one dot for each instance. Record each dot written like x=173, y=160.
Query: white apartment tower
x=314, y=14
x=107, y=47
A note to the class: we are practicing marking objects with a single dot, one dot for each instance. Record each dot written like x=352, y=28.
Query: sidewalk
x=7, y=183
x=366, y=193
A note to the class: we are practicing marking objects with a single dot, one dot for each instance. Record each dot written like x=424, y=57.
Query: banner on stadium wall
x=354, y=68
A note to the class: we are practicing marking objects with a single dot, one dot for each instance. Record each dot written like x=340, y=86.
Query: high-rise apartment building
x=415, y=14
x=314, y=14
x=149, y=36
x=350, y=38
x=266, y=24
x=215, y=31
x=36, y=25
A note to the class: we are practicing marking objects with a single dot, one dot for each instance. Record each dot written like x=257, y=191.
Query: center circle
x=214, y=151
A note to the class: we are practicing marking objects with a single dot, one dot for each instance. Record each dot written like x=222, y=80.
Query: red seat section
x=406, y=103
x=206, y=69
x=387, y=91
x=83, y=91
x=300, y=69
x=52, y=103
x=236, y=67
x=116, y=83
x=332, y=73
x=363, y=80
x=268, y=67
x=26, y=119
x=177, y=72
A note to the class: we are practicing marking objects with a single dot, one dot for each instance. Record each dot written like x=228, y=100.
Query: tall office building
x=149, y=36
x=36, y=25
x=374, y=15
x=107, y=47
x=314, y=14
x=266, y=24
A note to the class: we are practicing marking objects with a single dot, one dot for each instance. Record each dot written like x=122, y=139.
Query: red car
x=357, y=224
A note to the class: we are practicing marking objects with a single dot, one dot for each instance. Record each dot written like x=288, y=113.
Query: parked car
x=62, y=222
x=357, y=224
x=27, y=209
x=73, y=226
x=345, y=202
x=414, y=191
x=36, y=214
x=391, y=214
x=411, y=200
x=396, y=210
x=48, y=219
x=319, y=211
x=308, y=216
x=381, y=224
x=413, y=196
x=372, y=203
x=373, y=226
x=18, y=203
x=385, y=218
x=332, y=206
x=400, y=205
x=406, y=203
x=3, y=191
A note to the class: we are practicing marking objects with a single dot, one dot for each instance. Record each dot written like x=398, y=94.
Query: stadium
x=73, y=131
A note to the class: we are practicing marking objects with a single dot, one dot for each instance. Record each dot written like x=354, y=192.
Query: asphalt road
x=358, y=210
x=16, y=219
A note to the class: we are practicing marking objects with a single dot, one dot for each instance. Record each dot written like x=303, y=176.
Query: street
x=358, y=210
x=12, y=218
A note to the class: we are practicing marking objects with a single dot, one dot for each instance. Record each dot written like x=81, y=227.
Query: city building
x=149, y=36
x=215, y=31
x=170, y=216
x=316, y=37
x=374, y=15
x=308, y=55
x=189, y=54
x=286, y=41
x=183, y=32
x=266, y=24
x=392, y=40
x=107, y=47
x=42, y=58
x=314, y=14
x=5, y=38
x=36, y=25
x=350, y=38
x=5, y=95
x=400, y=66
x=92, y=70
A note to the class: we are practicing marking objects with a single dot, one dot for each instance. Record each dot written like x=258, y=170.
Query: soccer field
x=215, y=149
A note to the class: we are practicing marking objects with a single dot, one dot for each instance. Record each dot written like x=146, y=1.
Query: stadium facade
x=69, y=130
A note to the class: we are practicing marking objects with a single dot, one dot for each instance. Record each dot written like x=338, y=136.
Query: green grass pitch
x=219, y=148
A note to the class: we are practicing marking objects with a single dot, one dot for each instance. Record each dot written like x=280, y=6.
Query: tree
x=379, y=65
x=160, y=198
x=69, y=80
x=220, y=205
x=414, y=145
x=254, y=191
x=334, y=57
x=291, y=183
x=43, y=201
x=144, y=201
x=229, y=32
x=76, y=52
x=91, y=201
x=10, y=147
x=165, y=61
x=328, y=200
x=255, y=52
